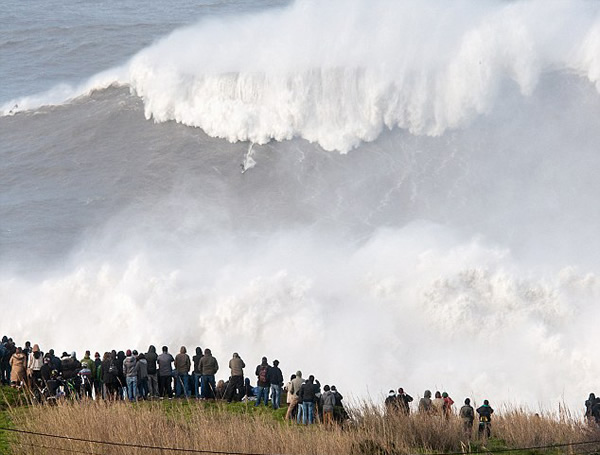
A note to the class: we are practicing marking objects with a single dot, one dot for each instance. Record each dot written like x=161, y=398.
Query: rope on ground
x=218, y=452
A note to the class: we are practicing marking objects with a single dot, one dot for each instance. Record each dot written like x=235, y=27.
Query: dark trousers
x=164, y=386
x=235, y=389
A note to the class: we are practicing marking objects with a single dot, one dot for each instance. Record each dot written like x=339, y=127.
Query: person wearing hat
x=276, y=384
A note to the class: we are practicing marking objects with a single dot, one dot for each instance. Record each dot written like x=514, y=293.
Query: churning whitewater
x=418, y=208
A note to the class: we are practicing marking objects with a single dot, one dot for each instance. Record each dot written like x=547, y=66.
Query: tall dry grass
x=193, y=425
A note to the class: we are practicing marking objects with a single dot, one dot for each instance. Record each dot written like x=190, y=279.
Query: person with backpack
x=276, y=380
x=467, y=416
x=263, y=381
x=485, y=419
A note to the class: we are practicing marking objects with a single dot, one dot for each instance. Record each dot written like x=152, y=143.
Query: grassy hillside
x=241, y=428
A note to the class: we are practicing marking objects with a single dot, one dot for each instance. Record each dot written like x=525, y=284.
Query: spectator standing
x=182, y=366
x=295, y=385
x=142, y=375
x=208, y=368
x=151, y=358
x=130, y=372
x=425, y=403
x=307, y=395
x=328, y=404
x=404, y=400
x=276, y=379
x=165, y=373
x=447, y=406
x=235, y=387
x=485, y=419
x=17, y=368
x=110, y=375
x=467, y=416
x=263, y=381
x=197, y=374
x=97, y=375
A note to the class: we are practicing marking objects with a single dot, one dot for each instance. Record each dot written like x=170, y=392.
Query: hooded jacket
x=129, y=369
x=208, y=364
x=151, y=359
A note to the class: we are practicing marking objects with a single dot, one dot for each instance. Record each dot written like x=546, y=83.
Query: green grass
x=9, y=398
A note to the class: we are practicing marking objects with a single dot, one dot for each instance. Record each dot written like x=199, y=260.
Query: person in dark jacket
x=276, y=379
x=151, y=358
x=121, y=376
x=339, y=412
x=308, y=395
x=98, y=376
x=485, y=418
x=54, y=361
x=263, y=381
x=403, y=399
x=197, y=374
x=70, y=366
x=142, y=376
x=110, y=374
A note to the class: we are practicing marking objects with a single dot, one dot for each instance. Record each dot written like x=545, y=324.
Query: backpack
x=112, y=368
x=263, y=374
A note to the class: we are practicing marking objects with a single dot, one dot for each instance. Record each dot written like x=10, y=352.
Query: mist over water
x=452, y=245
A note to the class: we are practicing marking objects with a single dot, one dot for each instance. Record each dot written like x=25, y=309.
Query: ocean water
x=380, y=193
